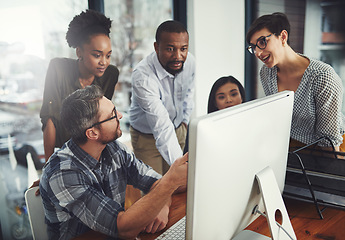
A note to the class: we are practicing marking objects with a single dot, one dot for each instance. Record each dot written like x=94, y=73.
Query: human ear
x=92, y=133
x=155, y=45
x=284, y=37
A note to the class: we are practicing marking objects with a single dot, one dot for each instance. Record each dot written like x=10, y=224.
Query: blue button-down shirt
x=80, y=193
x=161, y=102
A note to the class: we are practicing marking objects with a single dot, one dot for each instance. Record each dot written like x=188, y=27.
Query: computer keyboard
x=175, y=232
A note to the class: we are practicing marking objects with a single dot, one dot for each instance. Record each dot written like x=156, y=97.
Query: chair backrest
x=35, y=209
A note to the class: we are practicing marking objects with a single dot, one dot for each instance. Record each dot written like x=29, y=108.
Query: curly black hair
x=86, y=24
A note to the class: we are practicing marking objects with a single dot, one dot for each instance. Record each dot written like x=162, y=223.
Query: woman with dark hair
x=318, y=89
x=88, y=33
x=225, y=92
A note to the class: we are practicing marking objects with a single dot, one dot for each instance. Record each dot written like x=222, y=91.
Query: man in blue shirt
x=162, y=98
x=83, y=184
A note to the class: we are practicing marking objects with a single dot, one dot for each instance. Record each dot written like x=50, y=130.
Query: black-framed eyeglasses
x=261, y=43
x=106, y=120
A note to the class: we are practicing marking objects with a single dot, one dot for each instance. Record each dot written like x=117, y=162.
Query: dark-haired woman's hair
x=85, y=25
x=170, y=26
x=220, y=82
x=275, y=23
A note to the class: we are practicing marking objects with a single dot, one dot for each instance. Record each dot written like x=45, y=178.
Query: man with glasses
x=83, y=184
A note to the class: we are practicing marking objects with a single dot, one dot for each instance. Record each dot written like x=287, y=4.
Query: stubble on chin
x=174, y=71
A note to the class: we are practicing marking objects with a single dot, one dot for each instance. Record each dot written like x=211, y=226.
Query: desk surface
x=304, y=219
x=307, y=223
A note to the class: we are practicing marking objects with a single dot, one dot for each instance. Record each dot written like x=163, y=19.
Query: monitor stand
x=273, y=202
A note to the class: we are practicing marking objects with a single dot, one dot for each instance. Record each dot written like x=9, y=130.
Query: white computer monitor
x=227, y=149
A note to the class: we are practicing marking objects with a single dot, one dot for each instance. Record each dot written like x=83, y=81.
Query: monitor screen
x=227, y=149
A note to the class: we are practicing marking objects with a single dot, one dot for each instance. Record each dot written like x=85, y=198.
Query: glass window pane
x=134, y=24
x=32, y=32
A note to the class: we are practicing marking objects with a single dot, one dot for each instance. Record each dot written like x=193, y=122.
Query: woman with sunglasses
x=318, y=89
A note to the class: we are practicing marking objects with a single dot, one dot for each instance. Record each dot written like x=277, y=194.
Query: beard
x=173, y=71
x=108, y=138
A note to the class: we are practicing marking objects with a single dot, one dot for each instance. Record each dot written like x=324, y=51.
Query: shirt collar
x=161, y=72
x=82, y=156
x=77, y=75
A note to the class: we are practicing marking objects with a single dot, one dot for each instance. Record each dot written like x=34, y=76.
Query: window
x=32, y=32
x=134, y=24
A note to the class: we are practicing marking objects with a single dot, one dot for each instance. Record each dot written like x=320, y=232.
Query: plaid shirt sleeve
x=77, y=194
x=80, y=192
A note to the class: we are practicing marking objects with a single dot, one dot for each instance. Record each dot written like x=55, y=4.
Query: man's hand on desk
x=160, y=222
x=150, y=213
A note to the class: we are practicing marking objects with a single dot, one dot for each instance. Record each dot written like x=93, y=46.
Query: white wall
x=217, y=40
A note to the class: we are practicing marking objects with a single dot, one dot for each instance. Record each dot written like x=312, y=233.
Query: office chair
x=34, y=206
x=32, y=172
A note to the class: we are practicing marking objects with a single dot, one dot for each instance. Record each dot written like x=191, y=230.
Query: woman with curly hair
x=88, y=33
